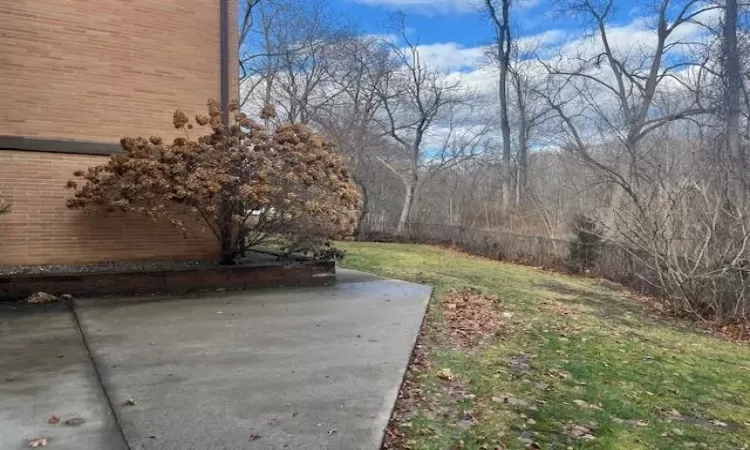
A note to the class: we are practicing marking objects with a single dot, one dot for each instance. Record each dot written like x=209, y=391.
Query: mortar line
x=71, y=305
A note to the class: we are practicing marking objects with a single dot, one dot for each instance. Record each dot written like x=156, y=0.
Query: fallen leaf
x=520, y=363
x=510, y=399
x=471, y=318
x=583, y=404
x=446, y=374
x=129, y=402
x=53, y=419
x=582, y=432
x=254, y=437
x=40, y=298
x=637, y=423
x=37, y=442
x=718, y=423
x=674, y=414
x=74, y=422
x=560, y=374
x=332, y=431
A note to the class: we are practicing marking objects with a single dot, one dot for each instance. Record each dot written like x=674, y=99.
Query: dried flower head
x=180, y=119
x=268, y=112
x=246, y=179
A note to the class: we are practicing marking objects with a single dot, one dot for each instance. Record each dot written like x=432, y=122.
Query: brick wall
x=41, y=230
x=97, y=70
x=103, y=69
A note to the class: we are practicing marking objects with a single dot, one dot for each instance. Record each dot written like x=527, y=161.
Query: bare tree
x=246, y=23
x=503, y=48
x=531, y=113
x=349, y=117
x=305, y=82
x=285, y=47
x=421, y=104
x=733, y=84
x=582, y=85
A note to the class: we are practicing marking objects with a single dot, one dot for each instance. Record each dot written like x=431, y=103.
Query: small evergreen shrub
x=585, y=247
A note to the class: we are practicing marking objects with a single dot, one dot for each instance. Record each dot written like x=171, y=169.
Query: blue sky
x=453, y=34
x=457, y=21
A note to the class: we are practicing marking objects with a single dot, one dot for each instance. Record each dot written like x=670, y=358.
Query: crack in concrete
x=110, y=405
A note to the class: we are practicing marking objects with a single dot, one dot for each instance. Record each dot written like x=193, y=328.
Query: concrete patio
x=312, y=368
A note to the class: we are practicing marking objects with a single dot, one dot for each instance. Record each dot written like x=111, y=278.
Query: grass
x=600, y=360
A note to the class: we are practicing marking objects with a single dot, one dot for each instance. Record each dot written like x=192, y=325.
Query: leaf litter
x=411, y=396
x=471, y=318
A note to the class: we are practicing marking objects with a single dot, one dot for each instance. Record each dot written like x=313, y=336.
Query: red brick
x=68, y=76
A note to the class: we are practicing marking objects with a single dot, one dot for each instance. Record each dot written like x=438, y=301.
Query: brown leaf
x=472, y=319
x=37, y=442
x=446, y=374
x=581, y=432
x=74, y=422
x=41, y=297
x=53, y=419
x=584, y=404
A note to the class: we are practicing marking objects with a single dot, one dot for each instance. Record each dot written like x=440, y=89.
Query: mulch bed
x=103, y=267
x=124, y=266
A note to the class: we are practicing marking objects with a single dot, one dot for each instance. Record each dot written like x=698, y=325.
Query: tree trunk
x=365, y=204
x=732, y=84
x=505, y=128
x=628, y=172
x=503, y=42
x=406, y=209
x=227, y=245
x=523, y=166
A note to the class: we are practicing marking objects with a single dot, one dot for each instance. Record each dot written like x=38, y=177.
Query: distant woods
x=641, y=128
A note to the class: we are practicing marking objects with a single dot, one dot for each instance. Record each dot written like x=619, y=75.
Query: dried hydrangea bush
x=245, y=183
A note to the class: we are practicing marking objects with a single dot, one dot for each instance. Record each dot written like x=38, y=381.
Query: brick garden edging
x=169, y=281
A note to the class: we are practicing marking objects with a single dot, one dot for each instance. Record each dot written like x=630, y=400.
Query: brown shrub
x=244, y=183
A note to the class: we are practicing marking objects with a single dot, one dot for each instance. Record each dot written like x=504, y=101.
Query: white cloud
x=634, y=42
x=450, y=56
x=441, y=6
x=390, y=38
x=438, y=6
x=542, y=41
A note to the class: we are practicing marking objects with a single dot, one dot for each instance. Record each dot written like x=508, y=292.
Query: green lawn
x=600, y=364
